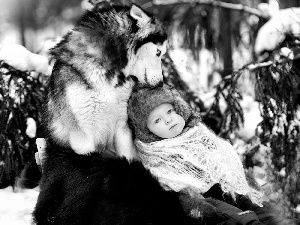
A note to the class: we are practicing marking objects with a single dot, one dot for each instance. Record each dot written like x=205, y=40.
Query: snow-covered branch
x=258, y=65
x=254, y=66
x=221, y=4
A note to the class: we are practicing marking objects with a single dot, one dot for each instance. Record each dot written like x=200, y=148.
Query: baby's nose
x=168, y=120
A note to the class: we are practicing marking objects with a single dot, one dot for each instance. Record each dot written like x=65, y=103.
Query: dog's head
x=116, y=38
x=146, y=48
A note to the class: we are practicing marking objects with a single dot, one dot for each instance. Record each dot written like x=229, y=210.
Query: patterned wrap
x=199, y=159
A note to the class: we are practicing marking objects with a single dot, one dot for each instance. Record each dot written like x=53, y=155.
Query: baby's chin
x=177, y=131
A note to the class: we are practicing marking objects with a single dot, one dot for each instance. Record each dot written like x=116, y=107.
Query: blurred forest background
x=245, y=85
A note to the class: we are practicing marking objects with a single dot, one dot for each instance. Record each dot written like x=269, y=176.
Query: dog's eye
x=158, y=52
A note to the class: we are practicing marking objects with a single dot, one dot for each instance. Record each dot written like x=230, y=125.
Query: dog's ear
x=138, y=14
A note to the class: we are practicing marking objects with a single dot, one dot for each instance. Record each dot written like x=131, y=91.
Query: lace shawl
x=199, y=159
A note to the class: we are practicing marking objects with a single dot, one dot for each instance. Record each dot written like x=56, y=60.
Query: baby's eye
x=170, y=111
x=158, y=52
x=157, y=120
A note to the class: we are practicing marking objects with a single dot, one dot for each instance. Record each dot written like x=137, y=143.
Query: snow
x=298, y=208
x=286, y=52
x=272, y=33
x=20, y=58
x=269, y=9
x=16, y=206
x=31, y=127
x=252, y=117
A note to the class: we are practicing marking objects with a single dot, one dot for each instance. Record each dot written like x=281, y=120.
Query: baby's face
x=164, y=122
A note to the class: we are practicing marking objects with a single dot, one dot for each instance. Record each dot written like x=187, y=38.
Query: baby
x=183, y=153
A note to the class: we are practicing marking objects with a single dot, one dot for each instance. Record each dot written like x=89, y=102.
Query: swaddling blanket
x=198, y=159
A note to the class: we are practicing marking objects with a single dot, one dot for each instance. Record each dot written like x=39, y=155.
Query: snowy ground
x=16, y=206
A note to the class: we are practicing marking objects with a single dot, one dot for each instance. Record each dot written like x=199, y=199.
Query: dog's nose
x=160, y=84
x=134, y=78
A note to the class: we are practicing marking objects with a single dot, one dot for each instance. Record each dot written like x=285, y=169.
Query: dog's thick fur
x=101, y=190
x=92, y=78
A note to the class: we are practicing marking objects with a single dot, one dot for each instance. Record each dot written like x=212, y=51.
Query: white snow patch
x=272, y=33
x=31, y=127
x=16, y=207
x=252, y=117
x=298, y=208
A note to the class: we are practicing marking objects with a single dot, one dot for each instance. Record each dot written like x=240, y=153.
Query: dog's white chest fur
x=91, y=117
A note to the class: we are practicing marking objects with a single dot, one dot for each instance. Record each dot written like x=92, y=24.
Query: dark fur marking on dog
x=93, y=26
x=155, y=38
x=116, y=49
x=134, y=26
x=121, y=80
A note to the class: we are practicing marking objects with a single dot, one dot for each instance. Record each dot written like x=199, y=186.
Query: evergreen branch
x=233, y=116
x=213, y=3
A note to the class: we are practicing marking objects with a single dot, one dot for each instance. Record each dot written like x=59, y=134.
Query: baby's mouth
x=173, y=126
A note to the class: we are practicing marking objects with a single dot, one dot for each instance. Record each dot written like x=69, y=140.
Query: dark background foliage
x=21, y=97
